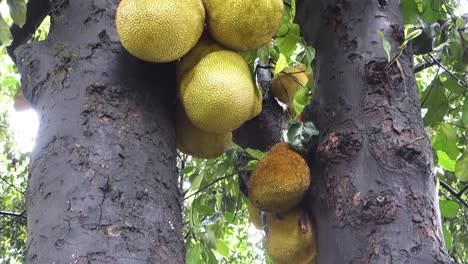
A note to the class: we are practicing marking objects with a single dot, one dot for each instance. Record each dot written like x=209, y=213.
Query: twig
x=212, y=183
x=5, y=213
x=453, y=192
x=36, y=11
x=447, y=71
x=17, y=217
x=460, y=193
x=424, y=65
x=414, y=141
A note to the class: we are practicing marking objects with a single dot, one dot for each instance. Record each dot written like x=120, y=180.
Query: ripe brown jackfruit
x=159, y=30
x=290, y=238
x=280, y=180
x=243, y=24
x=286, y=83
x=196, y=142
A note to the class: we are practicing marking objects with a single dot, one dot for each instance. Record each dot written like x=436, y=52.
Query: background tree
x=215, y=218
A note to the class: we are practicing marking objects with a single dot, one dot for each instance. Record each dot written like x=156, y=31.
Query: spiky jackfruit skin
x=286, y=83
x=257, y=109
x=280, y=180
x=196, y=142
x=204, y=46
x=159, y=30
x=290, y=238
x=243, y=25
x=218, y=93
x=254, y=215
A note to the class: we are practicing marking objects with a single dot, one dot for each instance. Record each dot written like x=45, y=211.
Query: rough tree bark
x=103, y=177
x=375, y=199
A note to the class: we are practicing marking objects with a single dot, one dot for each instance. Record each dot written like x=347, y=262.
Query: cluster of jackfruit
x=276, y=188
x=215, y=85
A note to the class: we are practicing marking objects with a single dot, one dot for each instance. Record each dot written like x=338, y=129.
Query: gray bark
x=103, y=183
x=374, y=196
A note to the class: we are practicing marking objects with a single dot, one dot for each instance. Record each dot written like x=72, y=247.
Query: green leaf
x=306, y=57
x=303, y=97
x=446, y=140
x=223, y=248
x=451, y=84
x=436, y=103
x=410, y=11
x=197, y=181
x=280, y=64
x=17, y=11
x=255, y=153
x=461, y=168
x=445, y=161
x=449, y=209
x=412, y=35
x=287, y=44
x=385, y=44
x=287, y=21
x=250, y=166
x=447, y=236
x=263, y=54
x=432, y=10
x=300, y=134
x=465, y=112
x=5, y=35
x=193, y=254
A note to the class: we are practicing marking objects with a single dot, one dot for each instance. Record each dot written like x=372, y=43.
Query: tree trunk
x=375, y=199
x=103, y=184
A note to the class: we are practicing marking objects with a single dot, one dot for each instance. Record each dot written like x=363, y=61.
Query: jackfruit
x=243, y=24
x=159, y=30
x=198, y=143
x=286, y=83
x=218, y=92
x=280, y=180
x=254, y=215
x=290, y=238
x=257, y=109
x=203, y=47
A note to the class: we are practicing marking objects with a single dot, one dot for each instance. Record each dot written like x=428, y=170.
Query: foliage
x=216, y=225
x=442, y=47
x=216, y=228
x=13, y=172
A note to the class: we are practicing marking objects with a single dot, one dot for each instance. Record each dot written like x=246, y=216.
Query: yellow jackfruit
x=159, y=30
x=254, y=215
x=257, y=109
x=203, y=47
x=286, y=83
x=280, y=180
x=218, y=92
x=290, y=238
x=243, y=25
x=198, y=143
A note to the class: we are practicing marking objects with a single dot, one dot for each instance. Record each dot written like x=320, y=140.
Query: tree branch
x=17, y=217
x=36, y=11
x=453, y=192
x=447, y=71
x=211, y=184
x=424, y=65
x=5, y=213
